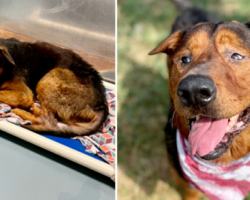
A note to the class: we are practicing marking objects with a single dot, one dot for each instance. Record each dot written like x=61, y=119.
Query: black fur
x=170, y=138
x=190, y=16
x=34, y=60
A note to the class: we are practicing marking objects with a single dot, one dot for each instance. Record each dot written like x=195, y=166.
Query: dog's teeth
x=197, y=117
x=232, y=119
x=231, y=122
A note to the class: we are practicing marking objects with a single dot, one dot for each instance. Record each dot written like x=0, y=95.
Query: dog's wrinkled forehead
x=207, y=27
x=205, y=33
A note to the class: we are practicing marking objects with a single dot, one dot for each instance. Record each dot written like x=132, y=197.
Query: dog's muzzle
x=196, y=90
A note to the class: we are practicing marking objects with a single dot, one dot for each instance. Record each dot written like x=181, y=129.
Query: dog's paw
x=35, y=110
x=49, y=120
x=17, y=111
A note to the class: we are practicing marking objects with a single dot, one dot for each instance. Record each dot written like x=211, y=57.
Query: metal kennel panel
x=84, y=25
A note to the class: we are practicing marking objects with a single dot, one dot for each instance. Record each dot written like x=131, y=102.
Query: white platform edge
x=59, y=149
x=109, y=86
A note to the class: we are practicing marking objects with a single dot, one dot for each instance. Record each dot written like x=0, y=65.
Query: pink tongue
x=206, y=134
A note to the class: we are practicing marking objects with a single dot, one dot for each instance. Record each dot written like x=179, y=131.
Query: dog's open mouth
x=210, y=138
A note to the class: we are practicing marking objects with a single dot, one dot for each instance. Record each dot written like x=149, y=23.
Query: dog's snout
x=196, y=90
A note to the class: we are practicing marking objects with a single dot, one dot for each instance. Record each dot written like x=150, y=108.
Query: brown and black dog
x=209, y=85
x=69, y=89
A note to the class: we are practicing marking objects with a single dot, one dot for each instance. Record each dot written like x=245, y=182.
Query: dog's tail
x=70, y=130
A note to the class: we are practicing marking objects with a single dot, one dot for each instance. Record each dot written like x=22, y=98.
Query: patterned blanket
x=230, y=182
x=102, y=143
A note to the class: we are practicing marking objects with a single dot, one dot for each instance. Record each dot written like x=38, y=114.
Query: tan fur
x=188, y=192
x=233, y=85
x=69, y=89
x=61, y=96
x=211, y=57
x=16, y=94
x=169, y=45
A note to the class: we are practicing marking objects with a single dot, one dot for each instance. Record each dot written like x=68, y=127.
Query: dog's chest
x=217, y=182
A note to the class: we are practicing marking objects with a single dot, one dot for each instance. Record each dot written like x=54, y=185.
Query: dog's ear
x=170, y=44
x=4, y=51
x=247, y=24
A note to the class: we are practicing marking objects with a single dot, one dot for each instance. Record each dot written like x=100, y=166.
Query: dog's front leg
x=189, y=193
x=16, y=94
x=16, y=99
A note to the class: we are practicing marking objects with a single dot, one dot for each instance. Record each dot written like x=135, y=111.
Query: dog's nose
x=196, y=90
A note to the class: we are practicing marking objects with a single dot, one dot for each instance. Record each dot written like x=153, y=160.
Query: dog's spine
x=77, y=129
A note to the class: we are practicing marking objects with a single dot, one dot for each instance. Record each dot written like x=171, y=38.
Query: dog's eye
x=236, y=56
x=185, y=60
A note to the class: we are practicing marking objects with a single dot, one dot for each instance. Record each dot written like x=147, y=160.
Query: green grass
x=143, y=98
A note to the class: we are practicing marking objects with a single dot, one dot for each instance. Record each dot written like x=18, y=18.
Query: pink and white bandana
x=231, y=182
